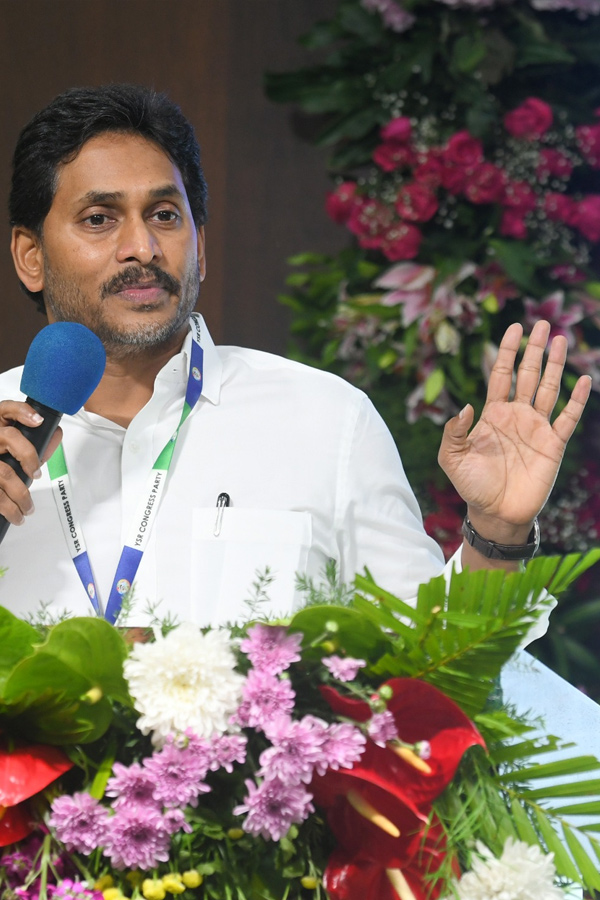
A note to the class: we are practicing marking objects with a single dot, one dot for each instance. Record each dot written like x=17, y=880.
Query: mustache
x=134, y=275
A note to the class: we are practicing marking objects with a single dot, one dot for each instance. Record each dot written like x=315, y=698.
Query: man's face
x=120, y=250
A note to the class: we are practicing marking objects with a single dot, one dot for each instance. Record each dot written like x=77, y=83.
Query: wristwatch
x=512, y=552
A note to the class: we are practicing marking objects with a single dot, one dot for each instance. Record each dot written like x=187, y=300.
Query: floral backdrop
x=464, y=152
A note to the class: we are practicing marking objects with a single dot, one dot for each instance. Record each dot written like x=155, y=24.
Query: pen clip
x=223, y=500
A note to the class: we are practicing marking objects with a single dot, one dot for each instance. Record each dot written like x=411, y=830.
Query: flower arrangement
x=465, y=161
x=353, y=751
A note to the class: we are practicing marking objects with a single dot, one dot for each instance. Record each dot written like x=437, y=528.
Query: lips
x=142, y=293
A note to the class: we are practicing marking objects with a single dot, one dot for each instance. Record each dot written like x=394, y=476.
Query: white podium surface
x=556, y=708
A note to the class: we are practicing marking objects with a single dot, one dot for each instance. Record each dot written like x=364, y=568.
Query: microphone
x=63, y=368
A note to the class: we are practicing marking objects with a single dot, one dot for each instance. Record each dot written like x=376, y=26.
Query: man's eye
x=97, y=219
x=166, y=215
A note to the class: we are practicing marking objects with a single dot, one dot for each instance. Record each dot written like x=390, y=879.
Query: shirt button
x=134, y=446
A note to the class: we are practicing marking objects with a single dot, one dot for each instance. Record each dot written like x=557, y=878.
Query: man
x=277, y=465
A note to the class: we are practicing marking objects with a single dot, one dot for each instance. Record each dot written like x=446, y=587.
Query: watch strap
x=509, y=552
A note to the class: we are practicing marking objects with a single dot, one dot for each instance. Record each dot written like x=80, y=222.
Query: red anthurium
x=421, y=713
x=25, y=769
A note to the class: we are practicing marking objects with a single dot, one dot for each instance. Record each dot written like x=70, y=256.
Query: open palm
x=505, y=467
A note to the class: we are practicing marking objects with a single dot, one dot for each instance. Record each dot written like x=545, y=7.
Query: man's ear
x=28, y=258
x=202, y=252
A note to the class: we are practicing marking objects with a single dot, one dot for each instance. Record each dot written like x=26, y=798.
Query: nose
x=137, y=242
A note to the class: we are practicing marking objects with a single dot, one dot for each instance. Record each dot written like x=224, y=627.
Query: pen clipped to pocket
x=223, y=500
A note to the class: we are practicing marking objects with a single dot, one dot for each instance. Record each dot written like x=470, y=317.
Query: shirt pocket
x=224, y=566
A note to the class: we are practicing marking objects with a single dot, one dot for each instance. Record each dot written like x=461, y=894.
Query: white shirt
x=309, y=465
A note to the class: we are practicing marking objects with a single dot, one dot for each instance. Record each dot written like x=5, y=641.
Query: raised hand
x=505, y=467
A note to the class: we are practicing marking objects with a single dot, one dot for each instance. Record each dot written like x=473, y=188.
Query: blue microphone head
x=63, y=367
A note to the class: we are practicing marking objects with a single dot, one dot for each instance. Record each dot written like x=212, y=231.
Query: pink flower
x=551, y=309
x=412, y=285
x=486, y=184
x=463, y=150
x=370, y=221
x=439, y=410
x=343, y=669
x=454, y=178
x=587, y=217
x=530, y=120
x=520, y=196
x=398, y=131
x=390, y=157
x=587, y=362
x=382, y=728
x=560, y=208
x=177, y=776
x=588, y=141
x=227, y=749
x=343, y=746
x=429, y=171
x=340, y=203
x=297, y=748
x=265, y=697
x=394, y=16
x=416, y=202
x=553, y=162
x=138, y=838
x=273, y=807
x=80, y=822
x=401, y=241
x=131, y=784
x=513, y=224
x=270, y=648
x=568, y=273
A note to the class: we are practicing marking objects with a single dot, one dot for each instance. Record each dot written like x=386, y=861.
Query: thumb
x=455, y=433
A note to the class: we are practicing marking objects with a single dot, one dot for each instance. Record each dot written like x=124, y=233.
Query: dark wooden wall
x=266, y=187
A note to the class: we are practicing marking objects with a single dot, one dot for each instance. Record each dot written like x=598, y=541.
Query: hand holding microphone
x=63, y=368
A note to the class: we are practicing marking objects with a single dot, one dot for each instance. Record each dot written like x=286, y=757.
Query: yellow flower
x=135, y=878
x=105, y=882
x=173, y=883
x=235, y=834
x=153, y=890
x=113, y=893
x=309, y=882
x=192, y=878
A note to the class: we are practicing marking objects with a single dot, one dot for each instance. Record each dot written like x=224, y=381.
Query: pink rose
x=370, y=221
x=340, y=203
x=588, y=141
x=402, y=241
x=393, y=156
x=587, y=217
x=513, y=224
x=397, y=131
x=486, y=184
x=519, y=196
x=416, y=203
x=463, y=150
x=553, y=162
x=429, y=171
x=530, y=120
x=560, y=208
x=454, y=179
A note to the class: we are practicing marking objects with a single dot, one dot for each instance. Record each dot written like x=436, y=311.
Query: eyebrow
x=104, y=197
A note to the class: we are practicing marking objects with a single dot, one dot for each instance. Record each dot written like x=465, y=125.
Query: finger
x=15, y=411
x=565, y=423
x=455, y=435
x=15, y=499
x=549, y=387
x=14, y=443
x=529, y=371
x=501, y=376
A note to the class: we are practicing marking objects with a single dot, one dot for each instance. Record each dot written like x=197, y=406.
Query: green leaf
x=468, y=51
x=589, y=872
x=562, y=860
x=358, y=637
x=434, y=385
x=17, y=640
x=522, y=821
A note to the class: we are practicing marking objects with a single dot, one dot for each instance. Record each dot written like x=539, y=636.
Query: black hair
x=57, y=133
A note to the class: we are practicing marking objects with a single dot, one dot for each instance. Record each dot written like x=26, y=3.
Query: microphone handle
x=39, y=436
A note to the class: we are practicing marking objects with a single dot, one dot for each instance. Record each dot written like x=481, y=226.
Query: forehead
x=125, y=164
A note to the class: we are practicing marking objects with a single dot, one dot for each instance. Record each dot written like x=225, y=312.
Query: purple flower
x=270, y=648
x=226, y=750
x=174, y=820
x=273, y=807
x=343, y=746
x=177, y=776
x=131, y=785
x=297, y=748
x=73, y=890
x=343, y=669
x=80, y=822
x=138, y=838
x=265, y=697
x=382, y=728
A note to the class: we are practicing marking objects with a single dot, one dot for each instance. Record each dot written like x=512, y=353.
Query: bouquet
x=357, y=750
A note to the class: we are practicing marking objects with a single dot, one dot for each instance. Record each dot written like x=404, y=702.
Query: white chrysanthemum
x=184, y=680
x=521, y=873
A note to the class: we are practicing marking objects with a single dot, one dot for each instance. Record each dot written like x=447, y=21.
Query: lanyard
x=138, y=533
